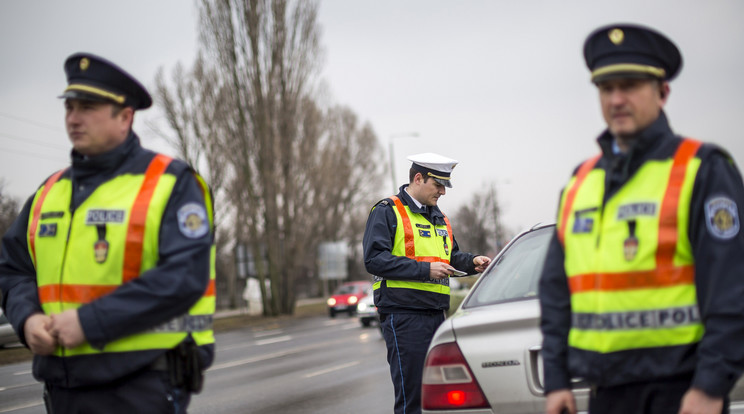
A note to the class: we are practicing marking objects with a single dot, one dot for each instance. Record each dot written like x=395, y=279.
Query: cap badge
x=616, y=36
x=84, y=63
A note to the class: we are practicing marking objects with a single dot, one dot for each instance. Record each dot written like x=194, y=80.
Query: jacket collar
x=432, y=211
x=643, y=142
x=107, y=162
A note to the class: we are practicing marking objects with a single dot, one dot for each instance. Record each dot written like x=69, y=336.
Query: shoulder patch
x=192, y=220
x=722, y=218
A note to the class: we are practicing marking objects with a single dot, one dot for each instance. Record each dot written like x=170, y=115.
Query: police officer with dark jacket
x=642, y=288
x=410, y=249
x=106, y=274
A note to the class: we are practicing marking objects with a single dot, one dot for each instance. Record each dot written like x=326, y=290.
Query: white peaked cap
x=434, y=165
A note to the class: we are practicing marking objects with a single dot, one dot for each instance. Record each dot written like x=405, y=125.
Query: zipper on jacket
x=61, y=285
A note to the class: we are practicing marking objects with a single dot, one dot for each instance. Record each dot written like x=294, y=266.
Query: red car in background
x=346, y=297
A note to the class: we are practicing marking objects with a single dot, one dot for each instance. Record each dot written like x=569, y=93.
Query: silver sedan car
x=7, y=335
x=485, y=359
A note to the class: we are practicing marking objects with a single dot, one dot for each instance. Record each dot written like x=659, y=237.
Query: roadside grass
x=456, y=298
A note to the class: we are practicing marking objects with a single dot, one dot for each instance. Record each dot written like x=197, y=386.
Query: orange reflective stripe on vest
x=408, y=234
x=136, y=231
x=584, y=170
x=407, y=228
x=37, y=211
x=631, y=280
x=669, y=205
x=88, y=293
x=134, y=240
x=665, y=274
x=73, y=293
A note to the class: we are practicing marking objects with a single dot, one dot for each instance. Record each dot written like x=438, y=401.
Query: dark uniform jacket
x=162, y=293
x=716, y=362
x=379, y=261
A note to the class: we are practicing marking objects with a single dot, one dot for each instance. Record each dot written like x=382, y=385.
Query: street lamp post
x=392, y=155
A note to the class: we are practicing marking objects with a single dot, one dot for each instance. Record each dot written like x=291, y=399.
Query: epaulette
x=383, y=202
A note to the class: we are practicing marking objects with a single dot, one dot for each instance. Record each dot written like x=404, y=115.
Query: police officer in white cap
x=410, y=248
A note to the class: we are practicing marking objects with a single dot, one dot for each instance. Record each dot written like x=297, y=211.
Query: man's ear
x=127, y=115
x=664, y=91
x=418, y=178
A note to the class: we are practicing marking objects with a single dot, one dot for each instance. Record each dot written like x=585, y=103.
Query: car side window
x=517, y=271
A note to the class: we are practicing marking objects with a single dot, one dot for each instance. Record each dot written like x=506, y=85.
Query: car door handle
x=534, y=370
x=535, y=375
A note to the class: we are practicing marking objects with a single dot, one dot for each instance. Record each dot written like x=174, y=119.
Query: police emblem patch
x=722, y=218
x=630, y=248
x=192, y=220
x=583, y=225
x=100, y=250
x=48, y=230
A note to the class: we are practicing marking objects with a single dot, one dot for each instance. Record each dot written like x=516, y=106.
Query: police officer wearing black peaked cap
x=106, y=274
x=641, y=290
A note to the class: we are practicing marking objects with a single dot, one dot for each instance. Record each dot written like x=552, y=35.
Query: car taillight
x=448, y=382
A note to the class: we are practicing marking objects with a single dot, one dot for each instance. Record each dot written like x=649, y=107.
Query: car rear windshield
x=516, y=274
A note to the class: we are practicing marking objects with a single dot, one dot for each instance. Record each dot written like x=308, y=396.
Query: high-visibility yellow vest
x=111, y=239
x=418, y=239
x=629, y=262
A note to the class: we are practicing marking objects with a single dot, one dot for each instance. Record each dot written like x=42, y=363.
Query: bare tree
x=9, y=209
x=288, y=169
x=478, y=226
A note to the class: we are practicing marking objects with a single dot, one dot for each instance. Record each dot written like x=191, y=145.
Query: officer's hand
x=559, y=402
x=36, y=333
x=67, y=329
x=696, y=401
x=481, y=263
x=440, y=270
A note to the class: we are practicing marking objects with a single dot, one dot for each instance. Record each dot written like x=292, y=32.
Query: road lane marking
x=284, y=338
x=279, y=354
x=22, y=373
x=268, y=333
x=12, y=387
x=331, y=369
x=261, y=342
x=21, y=407
x=333, y=322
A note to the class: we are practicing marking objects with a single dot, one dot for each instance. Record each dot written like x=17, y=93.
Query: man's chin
x=624, y=133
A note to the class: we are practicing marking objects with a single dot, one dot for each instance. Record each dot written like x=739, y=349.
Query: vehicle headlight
x=331, y=302
x=353, y=300
x=362, y=307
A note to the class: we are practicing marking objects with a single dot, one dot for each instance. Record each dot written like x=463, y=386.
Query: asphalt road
x=302, y=366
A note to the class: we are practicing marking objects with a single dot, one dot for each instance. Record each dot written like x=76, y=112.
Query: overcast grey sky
x=500, y=86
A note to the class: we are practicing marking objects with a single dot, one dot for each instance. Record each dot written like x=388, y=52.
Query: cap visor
x=622, y=75
x=446, y=183
x=83, y=96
